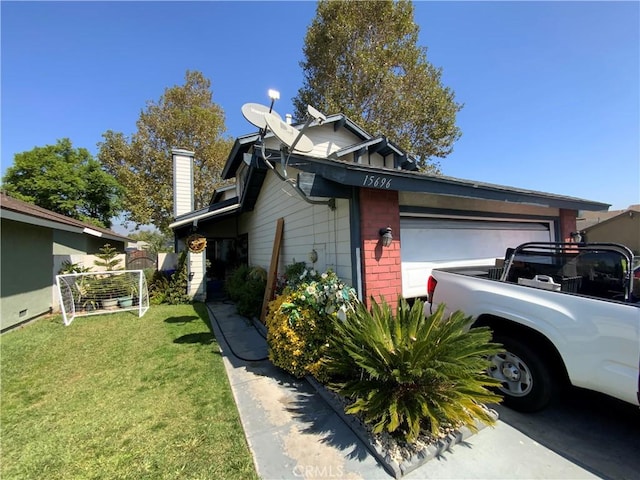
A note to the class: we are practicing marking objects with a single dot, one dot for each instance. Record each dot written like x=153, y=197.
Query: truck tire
x=527, y=382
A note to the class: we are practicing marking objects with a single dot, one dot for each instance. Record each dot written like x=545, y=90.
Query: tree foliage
x=158, y=241
x=65, y=180
x=184, y=117
x=362, y=59
x=108, y=258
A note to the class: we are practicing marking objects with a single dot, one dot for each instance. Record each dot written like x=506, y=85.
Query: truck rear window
x=595, y=273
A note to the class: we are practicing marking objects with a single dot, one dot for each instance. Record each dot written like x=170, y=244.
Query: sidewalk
x=293, y=433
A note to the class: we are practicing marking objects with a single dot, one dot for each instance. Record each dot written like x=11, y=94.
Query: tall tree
x=184, y=117
x=65, y=180
x=362, y=59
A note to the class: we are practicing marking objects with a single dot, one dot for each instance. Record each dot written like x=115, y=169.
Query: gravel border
x=392, y=466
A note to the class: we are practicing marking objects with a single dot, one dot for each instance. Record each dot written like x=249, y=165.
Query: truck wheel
x=527, y=382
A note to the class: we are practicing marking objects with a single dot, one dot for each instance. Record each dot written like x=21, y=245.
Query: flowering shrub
x=300, y=320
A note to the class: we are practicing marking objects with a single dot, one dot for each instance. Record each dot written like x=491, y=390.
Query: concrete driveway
x=599, y=433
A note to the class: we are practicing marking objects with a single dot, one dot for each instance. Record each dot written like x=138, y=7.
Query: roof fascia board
x=359, y=175
x=205, y=215
x=231, y=165
x=42, y=222
x=210, y=208
x=358, y=146
x=39, y=222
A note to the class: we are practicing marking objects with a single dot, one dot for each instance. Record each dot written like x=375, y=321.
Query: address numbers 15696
x=376, y=181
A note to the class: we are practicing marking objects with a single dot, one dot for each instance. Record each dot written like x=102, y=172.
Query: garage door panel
x=432, y=243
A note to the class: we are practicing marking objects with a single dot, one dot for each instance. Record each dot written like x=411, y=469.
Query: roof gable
x=345, y=154
x=335, y=133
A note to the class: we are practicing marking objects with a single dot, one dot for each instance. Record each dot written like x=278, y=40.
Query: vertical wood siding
x=197, y=283
x=182, y=184
x=325, y=140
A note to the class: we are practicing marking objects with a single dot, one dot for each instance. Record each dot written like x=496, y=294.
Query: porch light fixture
x=385, y=236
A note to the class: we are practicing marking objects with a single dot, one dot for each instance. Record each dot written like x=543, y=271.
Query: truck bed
x=574, y=308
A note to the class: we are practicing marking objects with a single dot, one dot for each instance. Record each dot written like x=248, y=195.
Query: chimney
x=182, y=181
x=289, y=118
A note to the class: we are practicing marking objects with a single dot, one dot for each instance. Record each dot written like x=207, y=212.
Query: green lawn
x=119, y=397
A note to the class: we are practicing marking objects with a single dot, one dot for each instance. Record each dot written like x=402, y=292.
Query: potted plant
x=87, y=298
x=110, y=284
x=125, y=301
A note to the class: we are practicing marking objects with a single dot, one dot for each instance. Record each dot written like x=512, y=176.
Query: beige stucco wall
x=624, y=229
x=447, y=202
x=70, y=243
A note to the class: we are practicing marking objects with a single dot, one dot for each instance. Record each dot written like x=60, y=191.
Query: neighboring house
x=34, y=243
x=619, y=226
x=137, y=245
x=338, y=201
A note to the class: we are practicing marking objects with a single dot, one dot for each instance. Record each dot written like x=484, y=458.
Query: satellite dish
x=254, y=113
x=288, y=135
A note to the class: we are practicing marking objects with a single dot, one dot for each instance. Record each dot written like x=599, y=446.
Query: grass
x=117, y=396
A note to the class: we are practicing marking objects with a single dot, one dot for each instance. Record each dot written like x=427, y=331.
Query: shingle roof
x=409, y=180
x=11, y=204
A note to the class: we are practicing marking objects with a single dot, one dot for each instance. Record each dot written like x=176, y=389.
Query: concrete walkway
x=294, y=434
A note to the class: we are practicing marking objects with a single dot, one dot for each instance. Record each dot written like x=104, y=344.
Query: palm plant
x=408, y=373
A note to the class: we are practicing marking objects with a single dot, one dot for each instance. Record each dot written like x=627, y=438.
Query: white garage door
x=428, y=243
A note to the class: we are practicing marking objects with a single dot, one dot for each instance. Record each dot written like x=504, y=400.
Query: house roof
x=218, y=209
x=335, y=175
x=590, y=220
x=14, y=209
x=244, y=143
x=339, y=169
x=348, y=173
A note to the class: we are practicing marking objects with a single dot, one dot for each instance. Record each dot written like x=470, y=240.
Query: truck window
x=595, y=273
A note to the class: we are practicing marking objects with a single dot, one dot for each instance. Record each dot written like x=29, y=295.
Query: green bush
x=149, y=274
x=408, y=373
x=295, y=274
x=300, y=321
x=235, y=282
x=69, y=267
x=245, y=287
x=170, y=289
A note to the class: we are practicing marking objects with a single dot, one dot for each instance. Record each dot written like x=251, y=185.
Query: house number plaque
x=376, y=181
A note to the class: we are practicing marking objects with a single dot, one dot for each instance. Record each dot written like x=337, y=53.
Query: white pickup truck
x=565, y=313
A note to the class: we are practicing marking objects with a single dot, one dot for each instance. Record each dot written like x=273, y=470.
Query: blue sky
x=551, y=90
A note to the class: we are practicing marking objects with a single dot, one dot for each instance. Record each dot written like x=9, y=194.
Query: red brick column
x=567, y=224
x=381, y=274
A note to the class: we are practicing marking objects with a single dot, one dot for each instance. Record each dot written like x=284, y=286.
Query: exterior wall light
x=385, y=235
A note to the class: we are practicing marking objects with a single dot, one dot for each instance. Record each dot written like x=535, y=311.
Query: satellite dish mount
x=291, y=139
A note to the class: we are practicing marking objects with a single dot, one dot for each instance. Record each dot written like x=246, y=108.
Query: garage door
x=428, y=243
